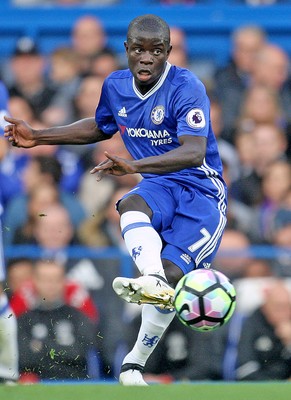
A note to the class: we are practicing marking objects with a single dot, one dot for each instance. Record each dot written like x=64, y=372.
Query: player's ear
x=126, y=46
x=169, y=50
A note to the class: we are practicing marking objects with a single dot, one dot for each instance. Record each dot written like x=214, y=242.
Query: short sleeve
x=192, y=109
x=104, y=116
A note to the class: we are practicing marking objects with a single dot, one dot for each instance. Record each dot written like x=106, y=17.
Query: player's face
x=147, y=53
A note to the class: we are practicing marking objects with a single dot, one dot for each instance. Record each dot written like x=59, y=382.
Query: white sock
x=8, y=341
x=143, y=242
x=153, y=325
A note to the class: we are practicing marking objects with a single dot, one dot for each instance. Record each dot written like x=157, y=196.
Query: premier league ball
x=204, y=299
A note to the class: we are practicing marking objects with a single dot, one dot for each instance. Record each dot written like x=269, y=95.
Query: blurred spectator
x=260, y=105
x=88, y=39
x=281, y=237
x=17, y=161
x=244, y=144
x=84, y=105
x=39, y=169
x=222, y=360
x=103, y=63
x=87, y=97
x=103, y=228
x=227, y=151
x=257, y=268
x=53, y=231
x=71, y=165
x=276, y=182
x=29, y=80
x=39, y=198
x=264, y=346
x=233, y=254
x=19, y=271
x=20, y=107
x=269, y=144
x=231, y=81
x=64, y=76
x=94, y=197
x=54, y=338
x=178, y=55
x=25, y=296
x=271, y=68
x=239, y=215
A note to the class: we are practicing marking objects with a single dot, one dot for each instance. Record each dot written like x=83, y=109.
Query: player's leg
x=8, y=341
x=144, y=245
x=138, y=224
x=8, y=332
x=154, y=323
x=197, y=246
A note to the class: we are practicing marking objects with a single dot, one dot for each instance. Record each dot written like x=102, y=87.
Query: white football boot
x=131, y=375
x=148, y=289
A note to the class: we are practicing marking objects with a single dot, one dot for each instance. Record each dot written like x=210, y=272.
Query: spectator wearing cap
x=28, y=74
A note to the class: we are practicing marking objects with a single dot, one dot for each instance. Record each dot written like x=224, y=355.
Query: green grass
x=195, y=391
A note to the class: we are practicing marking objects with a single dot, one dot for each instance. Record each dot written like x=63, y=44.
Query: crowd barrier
x=208, y=27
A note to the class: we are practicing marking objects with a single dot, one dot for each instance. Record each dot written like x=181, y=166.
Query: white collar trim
x=154, y=88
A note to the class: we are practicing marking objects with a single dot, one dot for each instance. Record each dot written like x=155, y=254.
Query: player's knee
x=134, y=203
x=173, y=272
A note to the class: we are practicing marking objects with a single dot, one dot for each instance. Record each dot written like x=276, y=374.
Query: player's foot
x=131, y=375
x=149, y=289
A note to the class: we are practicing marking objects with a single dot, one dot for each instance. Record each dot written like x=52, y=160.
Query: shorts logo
x=195, y=118
x=185, y=257
x=158, y=115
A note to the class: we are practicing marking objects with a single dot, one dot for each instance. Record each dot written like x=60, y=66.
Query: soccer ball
x=204, y=299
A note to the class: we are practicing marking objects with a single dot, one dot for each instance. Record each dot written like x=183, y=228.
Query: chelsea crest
x=158, y=115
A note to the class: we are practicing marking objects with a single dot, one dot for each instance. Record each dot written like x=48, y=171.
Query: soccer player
x=8, y=325
x=172, y=221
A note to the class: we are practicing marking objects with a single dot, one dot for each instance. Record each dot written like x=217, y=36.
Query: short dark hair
x=149, y=22
x=49, y=165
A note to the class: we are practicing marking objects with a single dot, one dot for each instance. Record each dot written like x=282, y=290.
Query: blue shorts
x=189, y=221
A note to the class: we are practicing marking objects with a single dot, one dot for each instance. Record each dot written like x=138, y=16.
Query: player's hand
x=19, y=133
x=113, y=166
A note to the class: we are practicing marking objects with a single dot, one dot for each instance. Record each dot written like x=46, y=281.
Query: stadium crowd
x=51, y=201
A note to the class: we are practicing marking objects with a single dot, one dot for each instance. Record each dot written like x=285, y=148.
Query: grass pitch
x=191, y=391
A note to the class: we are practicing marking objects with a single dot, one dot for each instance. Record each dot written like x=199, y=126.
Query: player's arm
x=190, y=154
x=85, y=131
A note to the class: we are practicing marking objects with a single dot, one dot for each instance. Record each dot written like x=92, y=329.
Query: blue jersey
x=191, y=201
x=150, y=124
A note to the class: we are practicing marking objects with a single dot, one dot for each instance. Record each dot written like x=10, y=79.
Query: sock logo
x=136, y=252
x=150, y=341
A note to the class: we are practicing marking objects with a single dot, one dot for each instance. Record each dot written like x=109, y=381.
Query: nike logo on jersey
x=122, y=112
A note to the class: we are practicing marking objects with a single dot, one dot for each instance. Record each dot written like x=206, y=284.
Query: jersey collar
x=154, y=88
